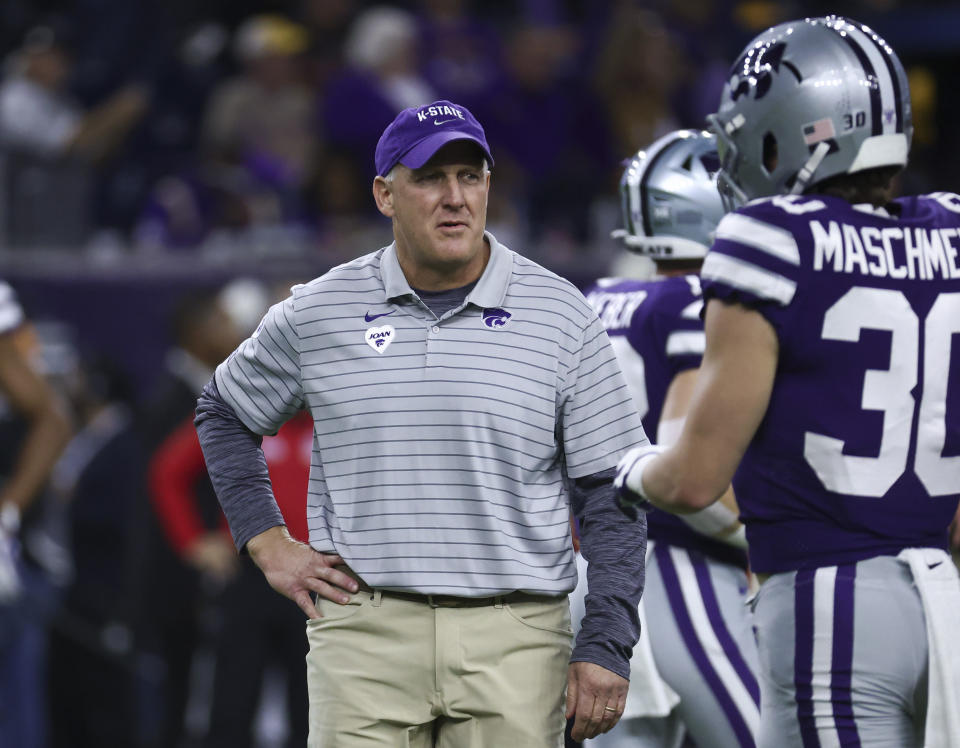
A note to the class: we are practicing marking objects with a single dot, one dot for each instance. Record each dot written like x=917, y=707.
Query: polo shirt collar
x=491, y=288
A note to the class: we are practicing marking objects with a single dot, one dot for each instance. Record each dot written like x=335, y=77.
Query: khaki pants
x=387, y=671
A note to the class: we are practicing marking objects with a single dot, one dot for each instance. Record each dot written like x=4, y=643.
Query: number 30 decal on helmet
x=808, y=100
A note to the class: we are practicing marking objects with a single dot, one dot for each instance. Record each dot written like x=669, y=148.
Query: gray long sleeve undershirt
x=613, y=545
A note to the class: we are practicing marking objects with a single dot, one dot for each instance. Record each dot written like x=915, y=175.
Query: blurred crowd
x=244, y=129
x=247, y=129
x=126, y=616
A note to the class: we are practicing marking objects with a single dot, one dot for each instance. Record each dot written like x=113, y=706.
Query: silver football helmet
x=669, y=199
x=808, y=100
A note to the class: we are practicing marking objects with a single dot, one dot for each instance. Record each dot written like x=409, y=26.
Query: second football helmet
x=669, y=199
x=808, y=100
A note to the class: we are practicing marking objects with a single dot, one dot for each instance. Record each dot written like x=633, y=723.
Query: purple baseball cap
x=419, y=132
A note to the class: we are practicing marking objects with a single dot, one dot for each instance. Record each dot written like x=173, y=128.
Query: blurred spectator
x=50, y=143
x=258, y=144
x=172, y=597
x=707, y=37
x=542, y=123
x=258, y=131
x=250, y=616
x=91, y=677
x=337, y=201
x=35, y=429
x=380, y=78
x=636, y=75
x=37, y=114
x=461, y=50
x=327, y=23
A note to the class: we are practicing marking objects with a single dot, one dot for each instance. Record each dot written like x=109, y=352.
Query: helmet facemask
x=828, y=93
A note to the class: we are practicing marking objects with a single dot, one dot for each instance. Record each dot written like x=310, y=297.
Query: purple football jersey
x=858, y=454
x=657, y=332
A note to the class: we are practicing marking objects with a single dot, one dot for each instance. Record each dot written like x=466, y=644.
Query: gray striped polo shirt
x=441, y=445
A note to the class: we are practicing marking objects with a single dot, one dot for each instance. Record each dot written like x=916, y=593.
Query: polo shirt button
x=436, y=329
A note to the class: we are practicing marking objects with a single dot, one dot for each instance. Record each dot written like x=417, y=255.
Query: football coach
x=465, y=400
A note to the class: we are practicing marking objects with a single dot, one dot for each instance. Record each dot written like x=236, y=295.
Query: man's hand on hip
x=294, y=569
x=596, y=696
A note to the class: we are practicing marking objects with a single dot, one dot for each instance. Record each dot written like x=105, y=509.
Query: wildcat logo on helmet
x=494, y=318
x=753, y=70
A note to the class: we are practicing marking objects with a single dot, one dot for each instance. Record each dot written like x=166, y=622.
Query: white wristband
x=737, y=538
x=631, y=467
x=10, y=518
x=714, y=519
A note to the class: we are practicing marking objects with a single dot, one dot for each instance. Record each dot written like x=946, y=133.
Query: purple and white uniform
x=699, y=627
x=857, y=457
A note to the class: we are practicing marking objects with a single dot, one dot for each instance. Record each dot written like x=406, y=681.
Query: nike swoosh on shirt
x=444, y=121
x=371, y=317
x=934, y=566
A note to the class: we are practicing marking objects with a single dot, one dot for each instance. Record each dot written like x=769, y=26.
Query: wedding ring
x=609, y=709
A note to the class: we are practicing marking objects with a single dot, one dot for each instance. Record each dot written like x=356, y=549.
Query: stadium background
x=213, y=180
x=565, y=90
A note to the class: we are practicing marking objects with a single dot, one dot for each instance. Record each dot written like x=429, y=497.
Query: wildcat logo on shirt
x=494, y=318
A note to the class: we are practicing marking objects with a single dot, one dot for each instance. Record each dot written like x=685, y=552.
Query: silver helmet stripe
x=876, y=106
x=876, y=65
x=652, y=158
x=886, y=53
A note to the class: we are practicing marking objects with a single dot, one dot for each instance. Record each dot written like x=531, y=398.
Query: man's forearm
x=237, y=468
x=614, y=547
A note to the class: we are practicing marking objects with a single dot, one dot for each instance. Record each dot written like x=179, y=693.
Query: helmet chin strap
x=809, y=169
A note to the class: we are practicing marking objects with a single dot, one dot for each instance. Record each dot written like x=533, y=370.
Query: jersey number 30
x=890, y=391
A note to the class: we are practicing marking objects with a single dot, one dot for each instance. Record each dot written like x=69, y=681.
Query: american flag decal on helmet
x=822, y=129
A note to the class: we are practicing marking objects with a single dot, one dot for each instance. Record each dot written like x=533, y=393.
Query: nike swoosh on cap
x=444, y=121
x=371, y=317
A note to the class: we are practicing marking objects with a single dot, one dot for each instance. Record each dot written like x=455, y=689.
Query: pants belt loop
x=431, y=602
x=498, y=602
x=376, y=597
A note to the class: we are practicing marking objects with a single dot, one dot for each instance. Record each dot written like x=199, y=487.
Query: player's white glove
x=9, y=553
x=629, y=480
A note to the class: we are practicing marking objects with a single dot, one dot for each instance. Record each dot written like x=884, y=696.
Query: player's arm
x=729, y=401
x=676, y=405
x=48, y=425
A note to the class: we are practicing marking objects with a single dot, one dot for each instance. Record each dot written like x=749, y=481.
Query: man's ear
x=383, y=194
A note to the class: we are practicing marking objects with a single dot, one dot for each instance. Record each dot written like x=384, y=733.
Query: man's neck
x=427, y=278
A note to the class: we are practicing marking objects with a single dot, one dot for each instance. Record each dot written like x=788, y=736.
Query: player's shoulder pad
x=756, y=255
x=945, y=203
x=770, y=225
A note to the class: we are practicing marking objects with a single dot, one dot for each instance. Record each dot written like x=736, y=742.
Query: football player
x=830, y=377
x=699, y=634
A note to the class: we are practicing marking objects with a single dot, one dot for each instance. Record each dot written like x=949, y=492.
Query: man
x=37, y=115
x=23, y=590
x=168, y=612
x=830, y=315
x=700, y=636
x=252, y=618
x=463, y=400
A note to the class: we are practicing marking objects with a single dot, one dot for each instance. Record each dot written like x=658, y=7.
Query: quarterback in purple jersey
x=699, y=637
x=830, y=393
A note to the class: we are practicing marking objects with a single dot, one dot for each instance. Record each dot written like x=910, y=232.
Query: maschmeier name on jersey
x=859, y=452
